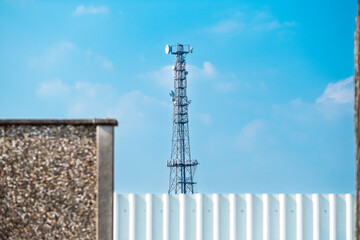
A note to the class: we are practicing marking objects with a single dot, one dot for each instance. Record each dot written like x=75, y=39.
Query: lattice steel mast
x=182, y=167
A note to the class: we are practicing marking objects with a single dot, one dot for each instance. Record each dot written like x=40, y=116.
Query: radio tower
x=182, y=167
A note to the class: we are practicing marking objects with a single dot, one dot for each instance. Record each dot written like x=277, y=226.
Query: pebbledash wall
x=234, y=217
x=56, y=179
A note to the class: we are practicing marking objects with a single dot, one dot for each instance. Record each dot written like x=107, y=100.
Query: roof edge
x=95, y=121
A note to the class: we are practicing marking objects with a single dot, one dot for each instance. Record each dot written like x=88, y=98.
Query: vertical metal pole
x=357, y=119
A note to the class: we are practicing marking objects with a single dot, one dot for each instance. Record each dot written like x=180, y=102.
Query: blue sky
x=271, y=84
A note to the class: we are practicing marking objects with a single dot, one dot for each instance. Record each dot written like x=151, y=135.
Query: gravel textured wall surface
x=48, y=182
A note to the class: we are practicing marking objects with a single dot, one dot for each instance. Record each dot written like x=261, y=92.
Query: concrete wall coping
x=96, y=121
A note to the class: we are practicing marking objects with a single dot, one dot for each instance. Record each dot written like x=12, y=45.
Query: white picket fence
x=234, y=217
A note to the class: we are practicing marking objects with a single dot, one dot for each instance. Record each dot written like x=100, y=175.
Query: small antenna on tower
x=182, y=166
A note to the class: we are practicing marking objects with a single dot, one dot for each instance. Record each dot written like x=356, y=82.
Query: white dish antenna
x=167, y=49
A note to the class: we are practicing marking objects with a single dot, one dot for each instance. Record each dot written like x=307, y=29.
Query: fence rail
x=234, y=217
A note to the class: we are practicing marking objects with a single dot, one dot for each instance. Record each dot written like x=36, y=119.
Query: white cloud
x=81, y=10
x=290, y=24
x=225, y=86
x=250, y=134
x=53, y=88
x=79, y=90
x=104, y=62
x=339, y=92
x=163, y=77
x=335, y=102
x=268, y=26
x=63, y=52
x=208, y=72
x=251, y=21
x=90, y=99
x=88, y=88
x=135, y=111
x=205, y=118
x=227, y=26
x=53, y=55
x=296, y=102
